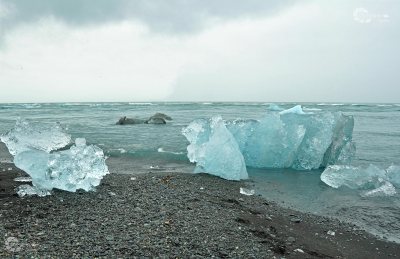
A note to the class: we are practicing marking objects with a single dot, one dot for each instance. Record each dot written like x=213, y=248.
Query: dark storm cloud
x=180, y=16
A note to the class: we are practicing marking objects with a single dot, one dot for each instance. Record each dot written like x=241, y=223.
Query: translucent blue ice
x=281, y=139
x=214, y=149
x=26, y=136
x=373, y=180
x=295, y=139
x=81, y=167
x=33, y=147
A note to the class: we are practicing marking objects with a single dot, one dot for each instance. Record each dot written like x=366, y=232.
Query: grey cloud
x=180, y=16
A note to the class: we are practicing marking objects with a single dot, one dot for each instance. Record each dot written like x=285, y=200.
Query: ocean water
x=144, y=148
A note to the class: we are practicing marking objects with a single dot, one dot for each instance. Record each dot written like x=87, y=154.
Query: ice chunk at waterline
x=214, y=149
x=26, y=136
x=285, y=139
x=295, y=139
x=373, y=180
x=80, y=167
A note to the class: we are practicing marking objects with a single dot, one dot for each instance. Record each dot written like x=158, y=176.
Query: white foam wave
x=161, y=150
x=312, y=109
x=142, y=103
x=121, y=150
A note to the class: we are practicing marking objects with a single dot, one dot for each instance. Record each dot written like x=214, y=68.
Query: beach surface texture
x=166, y=214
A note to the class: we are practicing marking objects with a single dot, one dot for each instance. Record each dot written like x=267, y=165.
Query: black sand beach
x=170, y=215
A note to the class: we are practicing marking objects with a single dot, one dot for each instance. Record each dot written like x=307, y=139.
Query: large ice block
x=214, y=149
x=373, y=180
x=26, y=136
x=81, y=167
x=295, y=139
x=288, y=139
x=268, y=142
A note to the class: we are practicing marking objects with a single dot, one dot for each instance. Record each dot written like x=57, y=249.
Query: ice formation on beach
x=214, y=149
x=79, y=167
x=373, y=180
x=285, y=139
x=26, y=136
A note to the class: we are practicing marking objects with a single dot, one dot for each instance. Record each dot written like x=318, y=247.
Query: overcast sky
x=200, y=50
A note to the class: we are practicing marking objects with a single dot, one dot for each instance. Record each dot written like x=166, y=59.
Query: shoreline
x=166, y=214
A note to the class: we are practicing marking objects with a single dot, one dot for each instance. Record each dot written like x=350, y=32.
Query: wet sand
x=170, y=215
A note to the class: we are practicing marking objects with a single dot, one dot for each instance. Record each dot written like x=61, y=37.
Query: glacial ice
x=372, y=180
x=26, y=136
x=353, y=177
x=393, y=175
x=296, y=110
x=33, y=147
x=80, y=167
x=214, y=149
x=29, y=190
x=386, y=189
x=283, y=139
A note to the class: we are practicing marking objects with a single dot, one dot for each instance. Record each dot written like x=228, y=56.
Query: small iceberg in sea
x=81, y=166
x=281, y=139
x=371, y=180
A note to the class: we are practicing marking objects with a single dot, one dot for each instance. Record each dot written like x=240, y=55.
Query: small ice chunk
x=23, y=179
x=29, y=190
x=298, y=250
x=353, y=177
x=386, y=189
x=331, y=233
x=214, y=149
x=246, y=191
x=274, y=107
x=26, y=136
x=372, y=180
x=296, y=110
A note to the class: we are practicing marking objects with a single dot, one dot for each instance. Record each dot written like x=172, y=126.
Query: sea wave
x=161, y=150
x=139, y=103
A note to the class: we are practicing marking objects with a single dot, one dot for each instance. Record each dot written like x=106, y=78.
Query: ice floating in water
x=274, y=107
x=214, y=149
x=79, y=167
x=372, y=180
x=386, y=189
x=285, y=139
x=26, y=136
x=296, y=110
